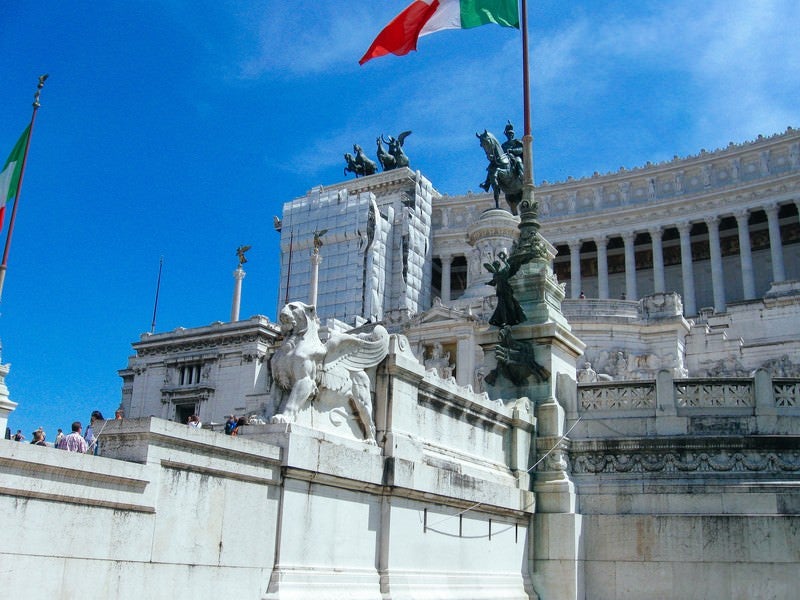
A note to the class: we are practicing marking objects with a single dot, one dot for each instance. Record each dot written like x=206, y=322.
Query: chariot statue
x=359, y=163
x=393, y=157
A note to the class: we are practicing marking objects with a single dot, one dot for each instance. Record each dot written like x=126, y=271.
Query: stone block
x=600, y=580
x=640, y=579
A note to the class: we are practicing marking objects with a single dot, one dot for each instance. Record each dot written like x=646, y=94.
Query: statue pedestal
x=6, y=405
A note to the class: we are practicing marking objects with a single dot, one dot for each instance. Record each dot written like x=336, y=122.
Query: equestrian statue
x=505, y=170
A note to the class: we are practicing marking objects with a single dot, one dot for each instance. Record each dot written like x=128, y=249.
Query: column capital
x=712, y=221
x=600, y=240
x=683, y=227
x=628, y=237
x=447, y=257
x=741, y=214
x=771, y=208
x=655, y=231
x=574, y=244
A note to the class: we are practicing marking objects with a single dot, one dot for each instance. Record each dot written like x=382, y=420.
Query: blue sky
x=178, y=128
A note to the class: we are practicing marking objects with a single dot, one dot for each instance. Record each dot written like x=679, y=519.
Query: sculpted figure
x=504, y=172
x=512, y=146
x=516, y=361
x=240, y=253
x=359, y=164
x=508, y=310
x=304, y=366
x=393, y=157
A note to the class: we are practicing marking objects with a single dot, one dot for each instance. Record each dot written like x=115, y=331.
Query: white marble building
x=657, y=458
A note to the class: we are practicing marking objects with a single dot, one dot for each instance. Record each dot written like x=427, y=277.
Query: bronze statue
x=240, y=253
x=504, y=172
x=359, y=164
x=394, y=157
x=508, y=311
x=516, y=361
x=512, y=145
x=318, y=240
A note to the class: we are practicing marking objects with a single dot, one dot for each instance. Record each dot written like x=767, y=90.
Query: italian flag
x=9, y=176
x=429, y=16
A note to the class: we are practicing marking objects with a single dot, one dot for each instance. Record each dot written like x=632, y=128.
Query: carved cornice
x=206, y=342
x=702, y=456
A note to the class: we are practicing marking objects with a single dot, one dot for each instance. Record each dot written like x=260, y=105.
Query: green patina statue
x=359, y=163
x=505, y=170
x=393, y=157
x=508, y=311
x=516, y=361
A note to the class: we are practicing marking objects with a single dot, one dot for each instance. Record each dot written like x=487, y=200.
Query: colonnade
x=718, y=283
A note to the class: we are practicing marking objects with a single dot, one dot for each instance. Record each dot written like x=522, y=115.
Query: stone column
x=575, y=267
x=776, y=249
x=717, y=274
x=316, y=260
x=602, y=267
x=464, y=360
x=631, y=292
x=689, y=301
x=238, y=275
x=745, y=254
x=658, y=259
x=447, y=261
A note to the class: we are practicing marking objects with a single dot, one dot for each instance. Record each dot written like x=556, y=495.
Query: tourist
x=230, y=424
x=59, y=437
x=74, y=442
x=18, y=437
x=582, y=295
x=119, y=414
x=91, y=436
x=194, y=421
x=38, y=438
x=241, y=422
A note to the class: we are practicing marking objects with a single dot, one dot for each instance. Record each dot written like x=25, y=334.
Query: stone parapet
x=700, y=406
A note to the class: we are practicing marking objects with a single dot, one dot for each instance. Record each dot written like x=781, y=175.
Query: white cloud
x=306, y=38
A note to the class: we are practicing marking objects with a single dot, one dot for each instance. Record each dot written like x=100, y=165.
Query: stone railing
x=667, y=406
x=617, y=395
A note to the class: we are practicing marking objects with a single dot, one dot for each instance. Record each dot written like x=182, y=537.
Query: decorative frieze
x=719, y=461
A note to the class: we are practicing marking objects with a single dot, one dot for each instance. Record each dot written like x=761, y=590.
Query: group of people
x=76, y=441
x=232, y=424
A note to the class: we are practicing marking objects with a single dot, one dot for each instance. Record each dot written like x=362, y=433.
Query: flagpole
x=158, y=289
x=4, y=264
x=526, y=82
x=527, y=246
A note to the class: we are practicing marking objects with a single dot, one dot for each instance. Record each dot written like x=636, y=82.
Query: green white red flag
x=422, y=17
x=9, y=176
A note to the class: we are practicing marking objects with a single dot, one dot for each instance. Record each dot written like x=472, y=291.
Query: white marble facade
x=660, y=459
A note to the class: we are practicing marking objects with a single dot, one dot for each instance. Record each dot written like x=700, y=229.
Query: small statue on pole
x=240, y=254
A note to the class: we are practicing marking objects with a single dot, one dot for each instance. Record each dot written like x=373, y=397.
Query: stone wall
x=440, y=509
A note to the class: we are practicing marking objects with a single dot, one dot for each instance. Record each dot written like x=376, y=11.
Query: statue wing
x=356, y=352
x=401, y=138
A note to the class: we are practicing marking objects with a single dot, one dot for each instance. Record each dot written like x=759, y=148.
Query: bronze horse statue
x=504, y=172
x=359, y=164
x=393, y=157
